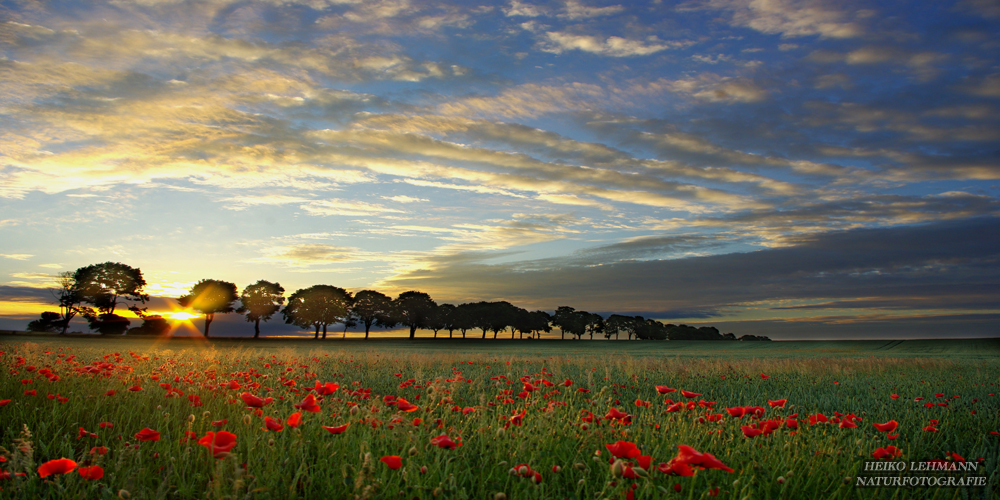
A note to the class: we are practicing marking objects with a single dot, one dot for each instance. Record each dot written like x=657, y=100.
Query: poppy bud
x=270, y=442
x=166, y=415
x=124, y=494
x=788, y=474
x=437, y=491
x=579, y=466
x=423, y=469
x=246, y=419
x=413, y=451
x=191, y=418
x=354, y=410
x=500, y=496
x=206, y=414
x=781, y=480
x=617, y=468
x=512, y=472
x=158, y=407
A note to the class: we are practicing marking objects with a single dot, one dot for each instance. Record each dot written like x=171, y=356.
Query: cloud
x=558, y=42
x=910, y=263
x=796, y=18
x=16, y=256
x=518, y=9
x=308, y=254
x=346, y=207
x=405, y=199
x=575, y=10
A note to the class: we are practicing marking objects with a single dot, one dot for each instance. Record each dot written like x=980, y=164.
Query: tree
x=151, y=325
x=69, y=299
x=617, y=323
x=448, y=318
x=49, y=322
x=566, y=319
x=317, y=306
x=103, y=285
x=210, y=297
x=464, y=317
x=413, y=309
x=260, y=301
x=373, y=308
x=350, y=321
x=594, y=323
x=437, y=320
x=540, y=321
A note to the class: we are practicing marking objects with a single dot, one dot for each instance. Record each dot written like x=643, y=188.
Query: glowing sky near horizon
x=775, y=166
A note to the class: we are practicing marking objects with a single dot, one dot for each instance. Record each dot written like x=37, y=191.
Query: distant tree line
x=94, y=292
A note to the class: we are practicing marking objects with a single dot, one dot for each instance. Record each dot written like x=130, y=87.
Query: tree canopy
x=318, y=307
x=260, y=301
x=413, y=309
x=209, y=297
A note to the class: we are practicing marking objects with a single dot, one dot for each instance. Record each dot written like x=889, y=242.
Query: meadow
x=145, y=418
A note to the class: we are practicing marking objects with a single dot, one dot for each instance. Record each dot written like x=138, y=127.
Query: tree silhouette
x=413, y=309
x=446, y=315
x=151, y=325
x=260, y=301
x=373, y=308
x=617, y=323
x=49, y=322
x=464, y=317
x=317, y=306
x=69, y=298
x=103, y=285
x=210, y=297
x=569, y=320
x=594, y=324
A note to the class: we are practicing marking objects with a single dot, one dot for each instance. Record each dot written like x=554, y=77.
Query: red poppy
x=218, y=443
x=219, y=423
x=105, y=425
x=765, y=377
x=623, y=449
x=777, y=404
x=326, y=389
x=894, y=396
x=892, y=436
x=930, y=428
x=112, y=392
x=750, y=431
x=92, y=473
x=689, y=394
x=99, y=450
x=817, y=418
x=567, y=383
x=147, y=434
x=57, y=466
x=688, y=456
x=295, y=420
x=737, y=411
x=3, y=402
x=443, y=441
x=405, y=406
x=271, y=424
x=254, y=401
x=662, y=389
x=309, y=404
x=84, y=433
x=887, y=453
x=393, y=461
x=32, y=392
x=336, y=430
x=887, y=427
x=615, y=414
x=847, y=424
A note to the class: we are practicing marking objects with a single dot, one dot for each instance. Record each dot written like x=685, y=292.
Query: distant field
x=965, y=348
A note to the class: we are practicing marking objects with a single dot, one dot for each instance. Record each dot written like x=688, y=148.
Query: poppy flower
x=406, y=406
x=254, y=401
x=218, y=443
x=750, y=431
x=662, y=389
x=393, y=461
x=892, y=436
x=99, y=450
x=887, y=453
x=818, y=418
x=308, y=404
x=219, y=423
x=271, y=424
x=326, y=389
x=930, y=428
x=32, y=392
x=689, y=394
x=92, y=473
x=847, y=424
x=777, y=404
x=3, y=402
x=567, y=383
x=147, y=434
x=135, y=388
x=887, y=427
x=678, y=406
x=105, y=425
x=688, y=456
x=57, y=466
x=737, y=411
x=336, y=430
x=443, y=441
x=894, y=396
x=765, y=377
x=615, y=414
x=623, y=449
x=295, y=420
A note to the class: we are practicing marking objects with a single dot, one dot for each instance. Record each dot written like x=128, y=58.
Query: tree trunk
x=367, y=327
x=208, y=322
x=256, y=328
x=316, y=337
x=324, y=331
x=413, y=331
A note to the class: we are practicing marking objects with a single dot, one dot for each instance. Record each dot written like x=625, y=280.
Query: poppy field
x=184, y=421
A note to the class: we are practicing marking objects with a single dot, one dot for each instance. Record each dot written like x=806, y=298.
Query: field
x=530, y=419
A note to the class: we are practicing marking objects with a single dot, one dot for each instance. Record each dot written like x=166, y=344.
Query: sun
x=179, y=315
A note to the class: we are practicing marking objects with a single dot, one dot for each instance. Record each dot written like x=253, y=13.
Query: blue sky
x=812, y=169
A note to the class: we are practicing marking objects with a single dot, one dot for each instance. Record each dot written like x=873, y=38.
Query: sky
x=802, y=169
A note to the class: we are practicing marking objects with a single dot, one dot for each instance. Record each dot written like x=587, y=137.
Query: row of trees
x=94, y=292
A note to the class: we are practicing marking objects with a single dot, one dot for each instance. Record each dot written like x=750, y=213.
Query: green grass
x=827, y=377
